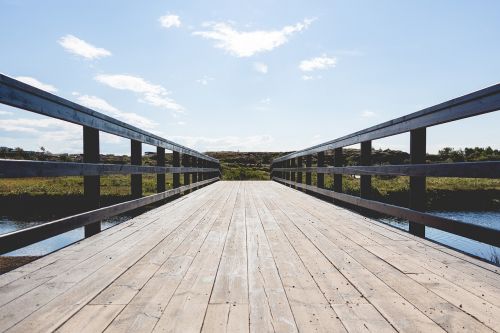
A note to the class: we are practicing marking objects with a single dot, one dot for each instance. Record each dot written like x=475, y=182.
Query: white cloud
x=152, y=94
x=80, y=47
x=228, y=143
x=100, y=104
x=169, y=21
x=205, y=80
x=35, y=83
x=322, y=62
x=54, y=134
x=260, y=67
x=248, y=43
x=5, y=113
x=311, y=77
x=368, y=114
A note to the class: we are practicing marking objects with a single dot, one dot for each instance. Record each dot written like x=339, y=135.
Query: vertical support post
x=417, y=184
x=194, y=164
x=338, y=161
x=136, y=159
x=292, y=174
x=308, y=173
x=185, y=163
x=200, y=165
x=176, y=162
x=366, y=159
x=160, y=177
x=299, y=173
x=321, y=176
x=287, y=173
x=91, y=184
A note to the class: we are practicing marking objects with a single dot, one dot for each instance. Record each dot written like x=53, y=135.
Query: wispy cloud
x=205, y=80
x=317, y=63
x=248, y=43
x=81, y=48
x=169, y=21
x=260, y=67
x=102, y=105
x=311, y=77
x=54, y=134
x=231, y=143
x=368, y=114
x=35, y=83
x=152, y=94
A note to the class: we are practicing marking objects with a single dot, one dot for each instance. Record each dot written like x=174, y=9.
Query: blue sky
x=250, y=75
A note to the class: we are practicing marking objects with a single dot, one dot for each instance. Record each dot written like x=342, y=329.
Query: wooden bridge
x=268, y=256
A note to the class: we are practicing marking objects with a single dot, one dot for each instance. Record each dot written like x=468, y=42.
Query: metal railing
x=198, y=169
x=289, y=169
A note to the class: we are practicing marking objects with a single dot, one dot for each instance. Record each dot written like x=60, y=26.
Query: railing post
x=308, y=173
x=366, y=159
x=299, y=173
x=338, y=161
x=200, y=165
x=292, y=173
x=417, y=184
x=185, y=164
x=160, y=177
x=136, y=159
x=194, y=164
x=176, y=162
x=321, y=176
x=91, y=184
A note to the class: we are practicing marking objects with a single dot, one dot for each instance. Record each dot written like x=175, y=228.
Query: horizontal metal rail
x=24, y=168
x=472, y=231
x=21, y=95
x=21, y=238
x=489, y=169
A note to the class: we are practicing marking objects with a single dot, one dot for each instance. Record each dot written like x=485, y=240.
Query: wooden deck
x=251, y=256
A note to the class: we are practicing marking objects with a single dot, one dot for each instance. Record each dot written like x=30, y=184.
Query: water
x=489, y=219
x=54, y=243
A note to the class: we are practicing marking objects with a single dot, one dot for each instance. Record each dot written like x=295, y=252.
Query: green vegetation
x=43, y=195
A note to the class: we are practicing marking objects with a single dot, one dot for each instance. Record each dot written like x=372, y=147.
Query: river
x=488, y=218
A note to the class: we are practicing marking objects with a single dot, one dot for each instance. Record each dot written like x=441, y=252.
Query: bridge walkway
x=251, y=256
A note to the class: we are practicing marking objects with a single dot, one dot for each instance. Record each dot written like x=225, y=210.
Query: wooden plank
x=65, y=292
x=145, y=309
x=186, y=309
x=314, y=314
x=269, y=307
x=226, y=318
x=434, y=306
x=92, y=318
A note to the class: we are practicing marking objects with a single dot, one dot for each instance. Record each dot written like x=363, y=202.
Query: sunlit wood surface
x=251, y=256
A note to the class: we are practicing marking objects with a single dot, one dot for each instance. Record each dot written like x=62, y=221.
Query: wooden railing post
x=91, y=184
x=185, y=163
x=194, y=164
x=366, y=159
x=308, y=173
x=338, y=161
x=176, y=162
x=160, y=177
x=200, y=165
x=136, y=159
x=299, y=173
x=321, y=176
x=417, y=184
x=292, y=173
